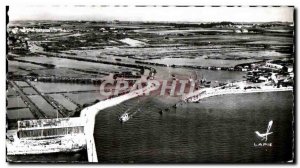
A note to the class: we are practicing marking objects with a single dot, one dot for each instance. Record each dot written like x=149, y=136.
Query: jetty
x=233, y=88
x=88, y=115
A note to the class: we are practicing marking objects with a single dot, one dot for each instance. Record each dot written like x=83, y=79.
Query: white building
x=272, y=65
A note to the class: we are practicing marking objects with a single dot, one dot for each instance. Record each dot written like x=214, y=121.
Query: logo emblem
x=264, y=136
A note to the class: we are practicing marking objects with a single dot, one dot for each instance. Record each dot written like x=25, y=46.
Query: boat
x=161, y=112
x=124, y=117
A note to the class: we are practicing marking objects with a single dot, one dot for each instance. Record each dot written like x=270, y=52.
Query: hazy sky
x=171, y=14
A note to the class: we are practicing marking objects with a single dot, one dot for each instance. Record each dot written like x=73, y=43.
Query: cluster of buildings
x=241, y=31
x=277, y=72
x=108, y=29
x=17, y=43
x=25, y=30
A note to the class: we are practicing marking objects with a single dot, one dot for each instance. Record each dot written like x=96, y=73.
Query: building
x=285, y=65
x=272, y=65
x=49, y=128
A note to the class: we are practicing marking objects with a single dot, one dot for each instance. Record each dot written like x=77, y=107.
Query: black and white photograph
x=137, y=84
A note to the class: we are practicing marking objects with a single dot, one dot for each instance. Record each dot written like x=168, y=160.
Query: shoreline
x=211, y=92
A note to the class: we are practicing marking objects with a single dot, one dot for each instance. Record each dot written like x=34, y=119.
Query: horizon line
x=116, y=20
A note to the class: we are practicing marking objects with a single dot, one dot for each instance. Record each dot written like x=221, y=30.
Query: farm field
x=64, y=101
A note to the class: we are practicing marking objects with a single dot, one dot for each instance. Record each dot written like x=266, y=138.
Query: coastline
x=210, y=92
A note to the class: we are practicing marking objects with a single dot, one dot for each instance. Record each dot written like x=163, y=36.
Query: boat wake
x=127, y=115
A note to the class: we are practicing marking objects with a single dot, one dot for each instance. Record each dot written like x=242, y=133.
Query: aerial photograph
x=150, y=84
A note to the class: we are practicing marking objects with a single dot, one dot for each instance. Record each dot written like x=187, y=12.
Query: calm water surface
x=218, y=129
